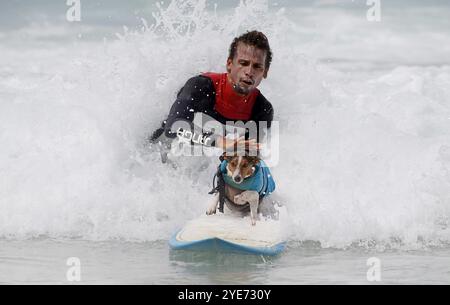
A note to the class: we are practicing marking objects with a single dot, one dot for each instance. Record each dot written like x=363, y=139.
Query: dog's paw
x=254, y=218
x=212, y=206
x=210, y=211
x=254, y=212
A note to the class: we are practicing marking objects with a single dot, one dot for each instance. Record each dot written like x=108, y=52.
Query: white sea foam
x=365, y=156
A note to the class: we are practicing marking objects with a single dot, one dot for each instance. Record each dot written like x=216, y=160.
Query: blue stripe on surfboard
x=217, y=244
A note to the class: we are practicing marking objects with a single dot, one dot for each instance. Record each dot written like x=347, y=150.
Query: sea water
x=364, y=133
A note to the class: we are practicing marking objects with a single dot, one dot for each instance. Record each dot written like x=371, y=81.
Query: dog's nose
x=237, y=179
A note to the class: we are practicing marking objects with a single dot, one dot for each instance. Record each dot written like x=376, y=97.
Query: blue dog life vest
x=261, y=180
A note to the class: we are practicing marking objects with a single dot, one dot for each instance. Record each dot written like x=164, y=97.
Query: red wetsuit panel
x=228, y=103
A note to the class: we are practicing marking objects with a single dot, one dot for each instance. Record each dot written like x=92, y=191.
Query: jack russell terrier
x=243, y=183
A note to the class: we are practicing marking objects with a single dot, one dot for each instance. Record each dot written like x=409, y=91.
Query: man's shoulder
x=263, y=104
x=200, y=79
x=198, y=84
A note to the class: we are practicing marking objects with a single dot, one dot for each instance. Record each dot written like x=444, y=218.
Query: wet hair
x=252, y=38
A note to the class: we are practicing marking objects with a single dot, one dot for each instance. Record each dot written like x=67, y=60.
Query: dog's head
x=240, y=167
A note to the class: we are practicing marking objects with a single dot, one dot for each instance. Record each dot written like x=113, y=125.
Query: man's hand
x=232, y=144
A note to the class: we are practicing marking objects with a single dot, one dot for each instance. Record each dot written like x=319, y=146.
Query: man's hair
x=253, y=38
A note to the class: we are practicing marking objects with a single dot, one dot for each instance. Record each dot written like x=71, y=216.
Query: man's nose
x=249, y=71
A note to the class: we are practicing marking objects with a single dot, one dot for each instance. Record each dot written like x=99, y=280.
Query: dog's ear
x=253, y=159
x=228, y=158
x=224, y=156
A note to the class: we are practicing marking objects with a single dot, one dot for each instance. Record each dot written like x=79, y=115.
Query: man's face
x=247, y=68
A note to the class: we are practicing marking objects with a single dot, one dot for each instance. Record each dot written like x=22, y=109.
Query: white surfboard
x=222, y=232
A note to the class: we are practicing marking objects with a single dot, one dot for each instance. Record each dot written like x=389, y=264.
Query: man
x=231, y=96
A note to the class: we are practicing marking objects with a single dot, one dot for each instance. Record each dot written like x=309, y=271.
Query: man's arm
x=196, y=95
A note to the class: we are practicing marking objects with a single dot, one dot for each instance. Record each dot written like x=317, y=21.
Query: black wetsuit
x=198, y=95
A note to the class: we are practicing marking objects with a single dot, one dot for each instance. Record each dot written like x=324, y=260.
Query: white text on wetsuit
x=186, y=135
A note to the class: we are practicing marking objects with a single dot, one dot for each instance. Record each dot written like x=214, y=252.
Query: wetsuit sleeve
x=263, y=116
x=195, y=96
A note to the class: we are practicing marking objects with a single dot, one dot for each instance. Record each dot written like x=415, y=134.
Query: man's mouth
x=247, y=82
